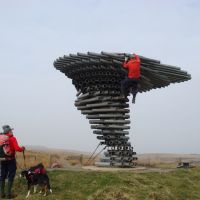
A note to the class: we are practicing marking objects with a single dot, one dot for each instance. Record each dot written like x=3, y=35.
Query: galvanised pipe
x=109, y=127
x=111, y=132
x=107, y=116
x=109, y=121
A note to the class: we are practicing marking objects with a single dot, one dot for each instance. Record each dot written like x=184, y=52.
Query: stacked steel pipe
x=97, y=78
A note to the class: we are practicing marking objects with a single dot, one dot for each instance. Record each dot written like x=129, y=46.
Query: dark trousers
x=129, y=85
x=7, y=170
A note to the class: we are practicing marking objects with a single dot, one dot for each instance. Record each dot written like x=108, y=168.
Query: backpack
x=5, y=150
x=38, y=169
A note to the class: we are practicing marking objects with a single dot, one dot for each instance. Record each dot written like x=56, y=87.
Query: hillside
x=73, y=158
x=91, y=185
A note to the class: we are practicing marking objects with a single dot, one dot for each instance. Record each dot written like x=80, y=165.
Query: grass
x=64, y=159
x=181, y=184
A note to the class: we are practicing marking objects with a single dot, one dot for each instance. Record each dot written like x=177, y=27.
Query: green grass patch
x=181, y=184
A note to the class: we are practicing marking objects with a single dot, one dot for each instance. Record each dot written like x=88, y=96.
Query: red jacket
x=133, y=66
x=14, y=144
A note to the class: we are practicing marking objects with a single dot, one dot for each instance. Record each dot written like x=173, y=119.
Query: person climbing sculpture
x=131, y=83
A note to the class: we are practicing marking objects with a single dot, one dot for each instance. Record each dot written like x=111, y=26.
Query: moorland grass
x=181, y=184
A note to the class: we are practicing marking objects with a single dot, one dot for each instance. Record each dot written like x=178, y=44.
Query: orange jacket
x=133, y=66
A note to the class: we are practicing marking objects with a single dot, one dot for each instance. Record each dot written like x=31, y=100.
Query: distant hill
x=169, y=157
x=47, y=149
x=157, y=157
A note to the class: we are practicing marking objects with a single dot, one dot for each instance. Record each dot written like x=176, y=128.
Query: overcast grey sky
x=38, y=101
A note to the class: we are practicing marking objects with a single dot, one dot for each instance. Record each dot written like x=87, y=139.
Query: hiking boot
x=9, y=194
x=2, y=186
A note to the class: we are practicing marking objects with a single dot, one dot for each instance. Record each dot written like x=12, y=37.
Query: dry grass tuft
x=112, y=193
x=64, y=159
x=159, y=196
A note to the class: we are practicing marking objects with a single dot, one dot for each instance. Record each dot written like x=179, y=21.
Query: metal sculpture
x=97, y=78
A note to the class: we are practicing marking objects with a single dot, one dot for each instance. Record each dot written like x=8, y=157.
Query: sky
x=38, y=101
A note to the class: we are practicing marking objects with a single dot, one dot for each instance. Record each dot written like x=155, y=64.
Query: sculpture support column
x=108, y=115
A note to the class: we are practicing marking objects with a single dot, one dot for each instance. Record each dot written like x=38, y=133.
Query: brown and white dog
x=37, y=176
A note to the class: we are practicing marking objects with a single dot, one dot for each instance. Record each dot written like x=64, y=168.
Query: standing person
x=132, y=81
x=8, y=165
